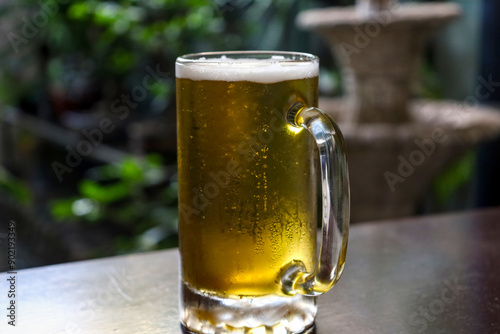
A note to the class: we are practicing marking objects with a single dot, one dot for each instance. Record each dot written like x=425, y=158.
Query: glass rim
x=247, y=57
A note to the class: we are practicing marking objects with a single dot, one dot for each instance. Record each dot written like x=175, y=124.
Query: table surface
x=436, y=274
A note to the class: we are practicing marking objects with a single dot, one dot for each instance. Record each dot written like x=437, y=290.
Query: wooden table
x=438, y=274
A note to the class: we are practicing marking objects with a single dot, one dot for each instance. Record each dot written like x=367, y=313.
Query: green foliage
x=13, y=187
x=135, y=195
x=106, y=44
x=455, y=177
x=154, y=27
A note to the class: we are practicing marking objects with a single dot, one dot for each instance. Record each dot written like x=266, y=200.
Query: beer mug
x=258, y=164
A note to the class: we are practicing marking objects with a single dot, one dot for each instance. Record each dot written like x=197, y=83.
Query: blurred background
x=87, y=112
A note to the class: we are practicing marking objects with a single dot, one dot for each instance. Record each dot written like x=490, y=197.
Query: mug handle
x=335, y=204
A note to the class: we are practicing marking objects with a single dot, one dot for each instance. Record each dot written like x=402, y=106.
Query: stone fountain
x=396, y=145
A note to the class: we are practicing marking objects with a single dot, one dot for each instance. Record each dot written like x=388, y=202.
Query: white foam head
x=276, y=68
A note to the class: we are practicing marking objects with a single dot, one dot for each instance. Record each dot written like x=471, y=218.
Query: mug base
x=208, y=314
x=309, y=330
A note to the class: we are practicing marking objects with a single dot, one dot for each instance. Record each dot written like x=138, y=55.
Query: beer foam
x=272, y=70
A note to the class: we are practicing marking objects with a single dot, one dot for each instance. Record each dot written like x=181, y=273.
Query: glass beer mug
x=255, y=156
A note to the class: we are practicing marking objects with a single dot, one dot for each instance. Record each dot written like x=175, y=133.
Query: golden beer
x=247, y=195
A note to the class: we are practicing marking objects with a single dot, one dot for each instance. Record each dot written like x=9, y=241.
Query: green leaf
x=131, y=170
x=62, y=209
x=454, y=178
x=104, y=193
x=78, y=11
